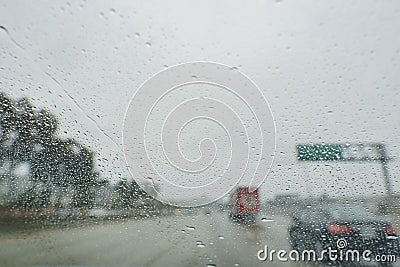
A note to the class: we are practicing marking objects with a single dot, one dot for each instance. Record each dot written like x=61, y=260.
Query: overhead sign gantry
x=361, y=152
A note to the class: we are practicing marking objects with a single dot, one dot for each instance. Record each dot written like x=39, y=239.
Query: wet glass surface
x=175, y=133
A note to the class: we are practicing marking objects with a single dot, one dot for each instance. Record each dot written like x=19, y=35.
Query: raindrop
x=190, y=227
x=266, y=220
x=200, y=244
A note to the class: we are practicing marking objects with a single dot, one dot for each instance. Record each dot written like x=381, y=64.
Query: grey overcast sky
x=329, y=69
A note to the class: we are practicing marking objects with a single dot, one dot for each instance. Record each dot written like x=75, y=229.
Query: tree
x=29, y=136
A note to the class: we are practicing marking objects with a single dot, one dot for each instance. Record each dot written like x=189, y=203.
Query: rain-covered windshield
x=183, y=133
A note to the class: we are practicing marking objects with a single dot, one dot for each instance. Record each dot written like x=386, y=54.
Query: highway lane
x=202, y=239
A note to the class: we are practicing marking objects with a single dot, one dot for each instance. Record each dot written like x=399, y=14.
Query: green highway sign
x=346, y=152
x=315, y=152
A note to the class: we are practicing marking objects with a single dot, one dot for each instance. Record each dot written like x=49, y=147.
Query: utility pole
x=384, y=160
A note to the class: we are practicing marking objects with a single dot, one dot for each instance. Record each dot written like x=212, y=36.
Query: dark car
x=343, y=228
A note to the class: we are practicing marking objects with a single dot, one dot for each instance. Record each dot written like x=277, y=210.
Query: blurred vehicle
x=389, y=205
x=320, y=228
x=244, y=205
x=97, y=212
x=68, y=213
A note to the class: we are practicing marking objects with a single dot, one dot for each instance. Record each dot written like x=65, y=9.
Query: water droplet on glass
x=266, y=219
x=190, y=227
x=200, y=244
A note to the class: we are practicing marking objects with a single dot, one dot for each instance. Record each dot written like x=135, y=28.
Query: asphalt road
x=185, y=240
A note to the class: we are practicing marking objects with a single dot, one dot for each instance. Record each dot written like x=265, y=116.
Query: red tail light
x=241, y=207
x=339, y=229
x=390, y=230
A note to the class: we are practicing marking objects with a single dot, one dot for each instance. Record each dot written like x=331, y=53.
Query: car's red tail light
x=339, y=229
x=390, y=230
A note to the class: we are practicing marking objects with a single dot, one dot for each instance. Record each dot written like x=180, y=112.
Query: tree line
x=61, y=167
x=57, y=168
